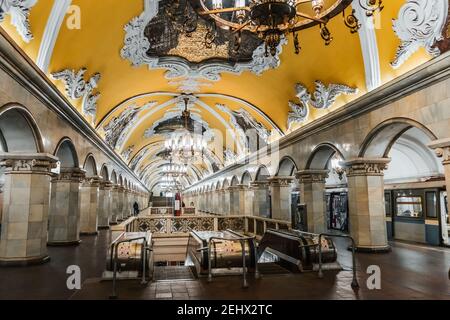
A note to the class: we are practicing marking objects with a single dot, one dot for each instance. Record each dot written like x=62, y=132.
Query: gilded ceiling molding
x=51, y=32
x=369, y=47
x=245, y=104
x=136, y=161
x=127, y=153
x=230, y=157
x=322, y=98
x=19, y=10
x=182, y=73
x=77, y=87
x=123, y=138
x=419, y=24
x=250, y=123
x=114, y=129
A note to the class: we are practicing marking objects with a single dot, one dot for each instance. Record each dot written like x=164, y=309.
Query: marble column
x=260, y=199
x=129, y=196
x=114, y=209
x=312, y=193
x=366, y=203
x=280, y=190
x=227, y=201
x=121, y=216
x=89, y=206
x=2, y=189
x=25, y=208
x=64, y=215
x=104, y=204
x=246, y=200
x=216, y=201
x=235, y=200
x=442, y=149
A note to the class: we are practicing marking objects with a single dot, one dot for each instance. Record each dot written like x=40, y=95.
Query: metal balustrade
x=163, y=225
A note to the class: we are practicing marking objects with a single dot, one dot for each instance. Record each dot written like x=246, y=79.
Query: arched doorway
x=64, y=214
x=283, y=190
x=89, y=196
x=324, y=174
x=413, y=183
x=25, y=175
x=262, y=203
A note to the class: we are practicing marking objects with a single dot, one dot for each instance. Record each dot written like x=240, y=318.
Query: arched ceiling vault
x=131, y=100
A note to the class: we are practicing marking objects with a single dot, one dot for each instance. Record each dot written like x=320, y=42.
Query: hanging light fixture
x=174, y=169
x=183, y=145
x=271, y=20
x=337, y=167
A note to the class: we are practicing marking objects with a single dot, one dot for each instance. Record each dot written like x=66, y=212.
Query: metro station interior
x=224, y=149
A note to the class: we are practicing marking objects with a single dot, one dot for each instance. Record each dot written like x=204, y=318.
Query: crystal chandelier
x=174, y=170
x=271, y=20
x=170, y=183
x=183, y=145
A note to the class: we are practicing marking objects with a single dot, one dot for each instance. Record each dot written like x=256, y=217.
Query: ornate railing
x=164, y=225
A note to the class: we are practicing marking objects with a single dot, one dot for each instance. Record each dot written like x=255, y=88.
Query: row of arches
x=394, y=155
x=381, y=142
x=51, y=198
x=20, y=134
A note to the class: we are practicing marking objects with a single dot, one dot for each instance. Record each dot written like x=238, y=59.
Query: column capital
x=259, y=184
x=366, y=166
x=442, y=149
x=280, y=181
x=312, y=176
x=105, y=185
x=115, y=186
x=93, y=181
x=70, y=175
x=30, y=162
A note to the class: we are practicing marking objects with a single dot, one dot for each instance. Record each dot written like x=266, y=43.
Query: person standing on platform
x=136, y=208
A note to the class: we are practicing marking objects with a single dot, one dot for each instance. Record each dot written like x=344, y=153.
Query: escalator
x=297, y=251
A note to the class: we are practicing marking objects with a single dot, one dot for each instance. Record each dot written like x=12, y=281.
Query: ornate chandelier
x=271, y=20
x=169, y=183
x=183, y=145
x=174, y=170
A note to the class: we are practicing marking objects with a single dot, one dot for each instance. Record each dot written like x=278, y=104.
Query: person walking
x=136, y=208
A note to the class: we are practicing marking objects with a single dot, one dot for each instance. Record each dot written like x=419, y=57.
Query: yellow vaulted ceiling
x=97, y=44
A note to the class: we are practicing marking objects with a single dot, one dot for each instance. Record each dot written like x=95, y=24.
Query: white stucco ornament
x=19, y=10
x=419, y=24
x=77, y=87
x=323, y=98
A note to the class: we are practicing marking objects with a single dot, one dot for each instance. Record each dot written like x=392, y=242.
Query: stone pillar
x=114, y=209
x=260, y=199
x=216, y=207
x=104, y=204
x=366, y=203
x=312, y=193
x=121, y=216
x=25, y=208
x=89, y=206
x=442, y=148
x=246, y=201
x=280, y=190
x=64, y=215
x=234, y=200
x=129, y=198
x=2, y=189
x=227, y=201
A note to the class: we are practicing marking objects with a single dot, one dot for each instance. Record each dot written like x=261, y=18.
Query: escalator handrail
x=242, y=240
x=354, y=284
x=115, y=248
